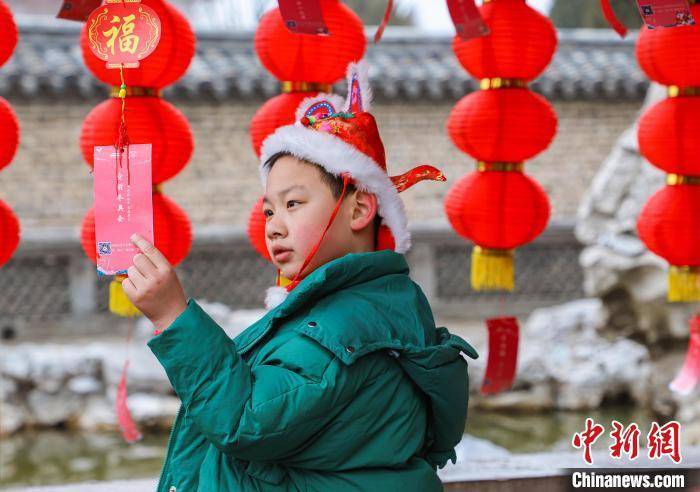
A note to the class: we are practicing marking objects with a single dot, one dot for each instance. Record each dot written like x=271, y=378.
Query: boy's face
x=297, y=207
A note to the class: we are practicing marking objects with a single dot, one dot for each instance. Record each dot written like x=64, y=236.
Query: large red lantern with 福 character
x=669, y=223
x=498, y=207
x=136, y=112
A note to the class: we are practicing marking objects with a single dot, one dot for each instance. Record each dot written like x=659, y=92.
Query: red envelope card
x=123, y=205
x=303, y=16
x=665, y=13
x=467, y=19
x=503, y=355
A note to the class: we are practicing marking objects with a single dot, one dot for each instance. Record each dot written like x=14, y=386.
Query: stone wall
x=48, y=185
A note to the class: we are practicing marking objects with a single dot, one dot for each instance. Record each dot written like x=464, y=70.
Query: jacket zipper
x=168, y=450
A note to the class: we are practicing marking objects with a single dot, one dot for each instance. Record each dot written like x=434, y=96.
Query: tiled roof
x=406, y=65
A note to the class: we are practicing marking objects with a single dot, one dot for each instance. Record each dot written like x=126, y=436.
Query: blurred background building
x=593, y=81
x=598, y=338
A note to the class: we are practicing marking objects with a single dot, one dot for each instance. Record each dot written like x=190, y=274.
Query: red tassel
x=688, y=377
x=612, y=19
x=385, y=21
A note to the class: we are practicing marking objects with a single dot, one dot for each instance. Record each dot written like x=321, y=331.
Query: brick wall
x=48, y=185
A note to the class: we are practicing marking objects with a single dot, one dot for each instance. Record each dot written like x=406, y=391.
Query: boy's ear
x=364, y=208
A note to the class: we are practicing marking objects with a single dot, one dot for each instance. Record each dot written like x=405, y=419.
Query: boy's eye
x=267, y=212
x=291, y=202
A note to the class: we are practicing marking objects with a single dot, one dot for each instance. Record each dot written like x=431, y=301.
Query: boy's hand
x=153, y=285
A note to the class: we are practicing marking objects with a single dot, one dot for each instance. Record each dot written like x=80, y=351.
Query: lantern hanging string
x=122, y=143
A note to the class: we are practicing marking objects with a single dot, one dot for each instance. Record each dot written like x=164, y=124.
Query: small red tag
x=303, y=16
x=503, y=355
x=688, y=377
x=78, y=10
x=467, y=19
x=665, y=13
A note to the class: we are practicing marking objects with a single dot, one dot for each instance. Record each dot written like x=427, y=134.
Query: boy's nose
x=275, y=228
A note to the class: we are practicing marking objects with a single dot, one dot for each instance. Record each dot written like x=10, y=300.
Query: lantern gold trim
x=136, y=92
x=676, y=91
x=515, y=167
x=679, y=179
x=501, y=83
x=287, y=86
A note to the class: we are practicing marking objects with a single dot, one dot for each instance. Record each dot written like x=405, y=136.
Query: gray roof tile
x=589, y=64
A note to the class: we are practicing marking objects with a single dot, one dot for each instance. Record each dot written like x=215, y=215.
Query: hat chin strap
x=297, y=277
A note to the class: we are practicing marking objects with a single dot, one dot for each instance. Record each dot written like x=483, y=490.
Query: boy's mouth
x=281, y=254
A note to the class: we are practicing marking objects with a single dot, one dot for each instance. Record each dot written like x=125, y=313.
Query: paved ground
x=490, y=474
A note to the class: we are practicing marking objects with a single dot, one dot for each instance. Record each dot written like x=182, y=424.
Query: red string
x=295, y=282
x=612, y=19
x=385, y=21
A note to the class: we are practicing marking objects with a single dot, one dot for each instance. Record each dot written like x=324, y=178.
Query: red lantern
x=509, y=125
x=172, y=232
x=9, y=233
x=521, y=43
x=669, y=224
x=669, y=55
x=9, y=136
x=8, y=38
x=256, y=229
x=276, y=112
x=668, y=135
x=149, y=120
x=497, y=210
x=306, y=57
x=161, y=68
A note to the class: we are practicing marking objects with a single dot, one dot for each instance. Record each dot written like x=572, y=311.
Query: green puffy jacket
x=346, y=385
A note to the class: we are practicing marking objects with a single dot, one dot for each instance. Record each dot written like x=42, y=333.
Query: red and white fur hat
x=343, y=138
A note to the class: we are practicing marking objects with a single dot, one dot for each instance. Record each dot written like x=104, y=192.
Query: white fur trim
x=275, y=296
x=306, y=103
x=361, y=69
x=337, y=156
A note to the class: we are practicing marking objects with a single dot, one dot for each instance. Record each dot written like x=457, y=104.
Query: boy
x=346, y=383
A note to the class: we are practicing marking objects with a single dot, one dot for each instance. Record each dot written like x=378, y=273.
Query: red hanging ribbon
x=612, y=19
x=688, y=377
x=295, y=282
x=126, y=422
x=503, y=355
x=385, y=21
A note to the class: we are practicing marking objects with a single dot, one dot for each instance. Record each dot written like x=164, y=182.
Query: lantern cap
x=343, y=138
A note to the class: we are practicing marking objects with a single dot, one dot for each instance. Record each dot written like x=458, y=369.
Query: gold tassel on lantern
x=492, y=269
x=119, y=303
x=683, y=284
